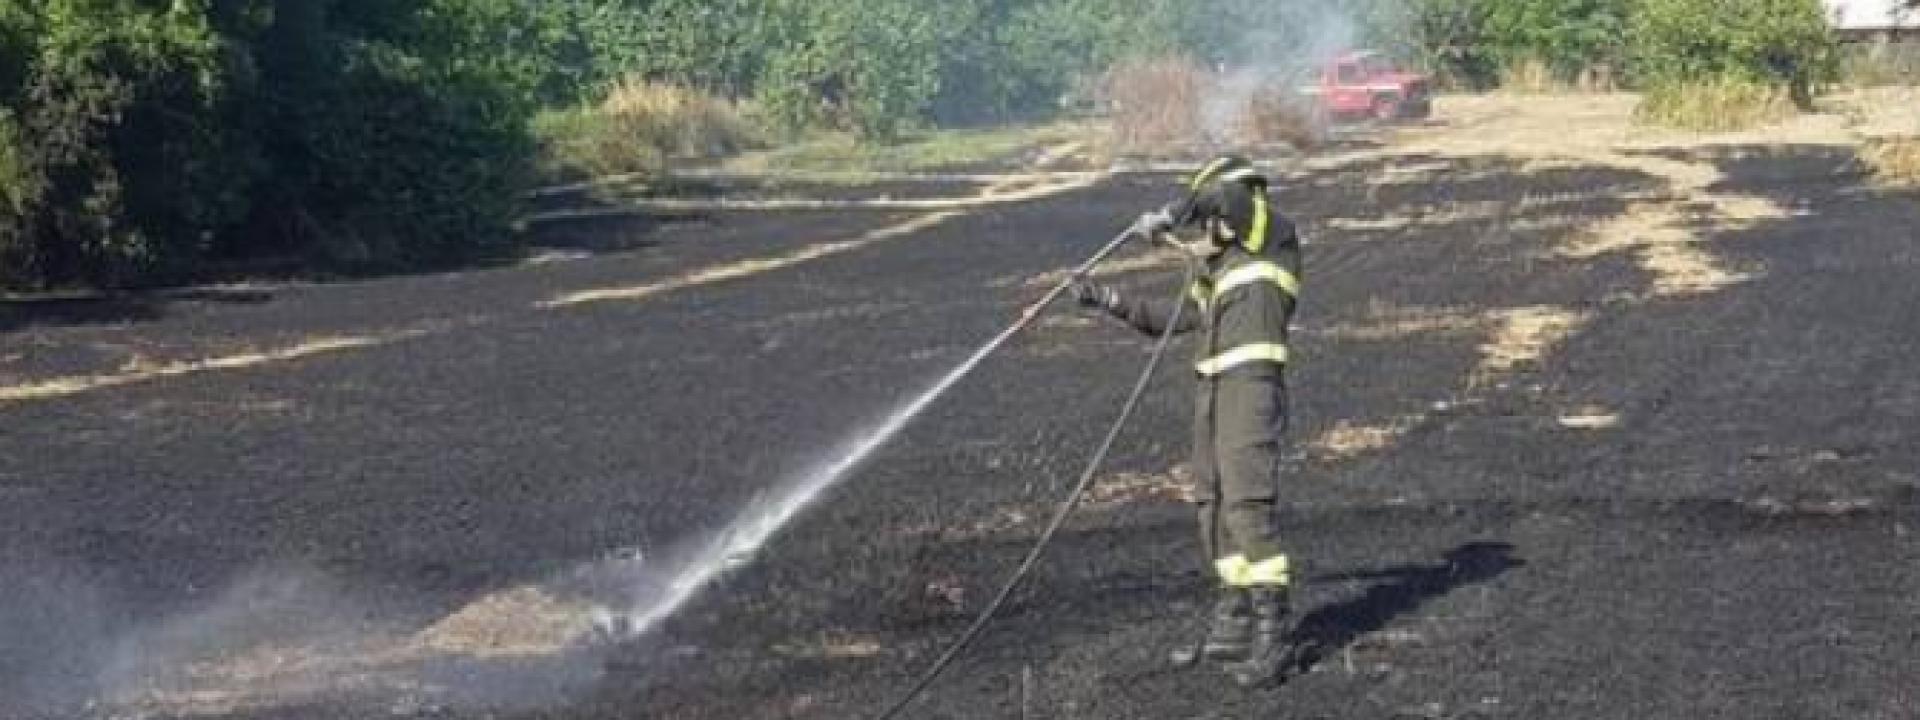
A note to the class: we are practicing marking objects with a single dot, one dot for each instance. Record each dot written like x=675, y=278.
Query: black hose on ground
x=1067, y=505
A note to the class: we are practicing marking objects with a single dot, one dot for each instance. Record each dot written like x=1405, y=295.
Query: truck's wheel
x=1386, y=107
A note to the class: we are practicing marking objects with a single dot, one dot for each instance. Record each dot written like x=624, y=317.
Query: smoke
x=1250, y=84
x=285, y=635
x=1269, y=51
x=55, y=633
x=279, y=636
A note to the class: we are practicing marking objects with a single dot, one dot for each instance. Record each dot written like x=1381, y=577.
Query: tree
x=1567, y=35
x=1784, y=43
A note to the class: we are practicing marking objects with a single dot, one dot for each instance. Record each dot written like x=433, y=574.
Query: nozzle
x=1151, y=224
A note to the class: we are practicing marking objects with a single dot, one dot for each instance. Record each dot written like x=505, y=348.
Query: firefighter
x=1242, y=305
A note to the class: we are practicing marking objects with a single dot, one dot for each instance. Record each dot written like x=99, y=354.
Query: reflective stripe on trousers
x=1237, y=571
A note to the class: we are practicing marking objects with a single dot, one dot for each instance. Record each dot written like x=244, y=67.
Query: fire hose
x=1079, y=490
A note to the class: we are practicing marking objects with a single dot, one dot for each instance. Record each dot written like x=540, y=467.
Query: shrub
x=641, y=126
x=719, y=46
x=870, y=67
x=1450, y=39
x=1894, y=159
x=129, y=169
x=400, y=172
x=1155, y=103
x=163, y=134
x=1274, y=115
x=16, y=194
x=1549, y=44
x=1779, y=43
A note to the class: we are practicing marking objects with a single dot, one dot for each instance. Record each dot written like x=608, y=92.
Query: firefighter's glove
x=1153, y=224
x=1094, y=295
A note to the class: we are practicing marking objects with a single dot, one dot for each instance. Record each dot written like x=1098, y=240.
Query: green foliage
x=1569, y=36
x=872, y=67
x=1473, y=43
x=1020, y=59
x=360, y=132
x=409, y=143
x=1450, y=39
x=139, y=138
x=715, y=45
x=1780, y=43
x=129, y=169
x=406, y=166
x=641, y=127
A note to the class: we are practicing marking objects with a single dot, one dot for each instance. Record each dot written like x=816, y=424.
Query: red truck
x=1364, y=84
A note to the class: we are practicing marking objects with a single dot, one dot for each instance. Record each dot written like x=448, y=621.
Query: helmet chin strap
x=1215, y=240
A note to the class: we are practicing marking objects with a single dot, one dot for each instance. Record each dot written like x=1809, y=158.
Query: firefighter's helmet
x=1231, y=191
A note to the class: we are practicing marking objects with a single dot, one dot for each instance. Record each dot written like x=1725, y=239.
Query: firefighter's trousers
x=1238, y=425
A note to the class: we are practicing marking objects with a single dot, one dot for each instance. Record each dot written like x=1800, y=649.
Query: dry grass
x=642, y=126
x=924, y=150
x=1348, y=439
x=1156, y=102
x=1719, y=105
x=1894, y=159
x=1876, y=65
x=1530, y=75
x=1164, y=103
x=523, y=621
x=1275, y=116
x=1523, y=336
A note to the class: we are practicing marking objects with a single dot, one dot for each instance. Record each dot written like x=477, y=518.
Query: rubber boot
x=1228, y=633
x=1271, y=652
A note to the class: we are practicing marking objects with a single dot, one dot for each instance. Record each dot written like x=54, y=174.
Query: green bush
x=1780, y=43
x=640, y=127
x=402, y=173
x=140, y=138
x=719, y=46
x=362, y=132
x=1567, y=37
x=408, y=144
x=871, y=67
x=129, y=169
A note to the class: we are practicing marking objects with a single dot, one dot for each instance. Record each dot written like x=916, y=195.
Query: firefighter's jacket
x=1243, y=305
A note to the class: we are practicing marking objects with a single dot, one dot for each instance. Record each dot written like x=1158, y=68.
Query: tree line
x=141, y=140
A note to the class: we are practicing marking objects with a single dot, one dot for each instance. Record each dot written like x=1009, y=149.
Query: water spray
x=736, y=544
x=1065, y=508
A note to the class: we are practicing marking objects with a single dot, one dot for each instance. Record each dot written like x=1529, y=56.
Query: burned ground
x=1530, y=482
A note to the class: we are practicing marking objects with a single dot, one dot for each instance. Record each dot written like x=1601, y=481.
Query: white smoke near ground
x=1275, y=52
x=285, y=635
x=280, y=636
x=1251, y=84
x=55, y=631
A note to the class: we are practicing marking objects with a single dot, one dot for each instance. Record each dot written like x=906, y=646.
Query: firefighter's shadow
x=1404, y=588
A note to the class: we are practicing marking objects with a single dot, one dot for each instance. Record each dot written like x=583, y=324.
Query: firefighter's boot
x=1228, y=634
x=1271, y=653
